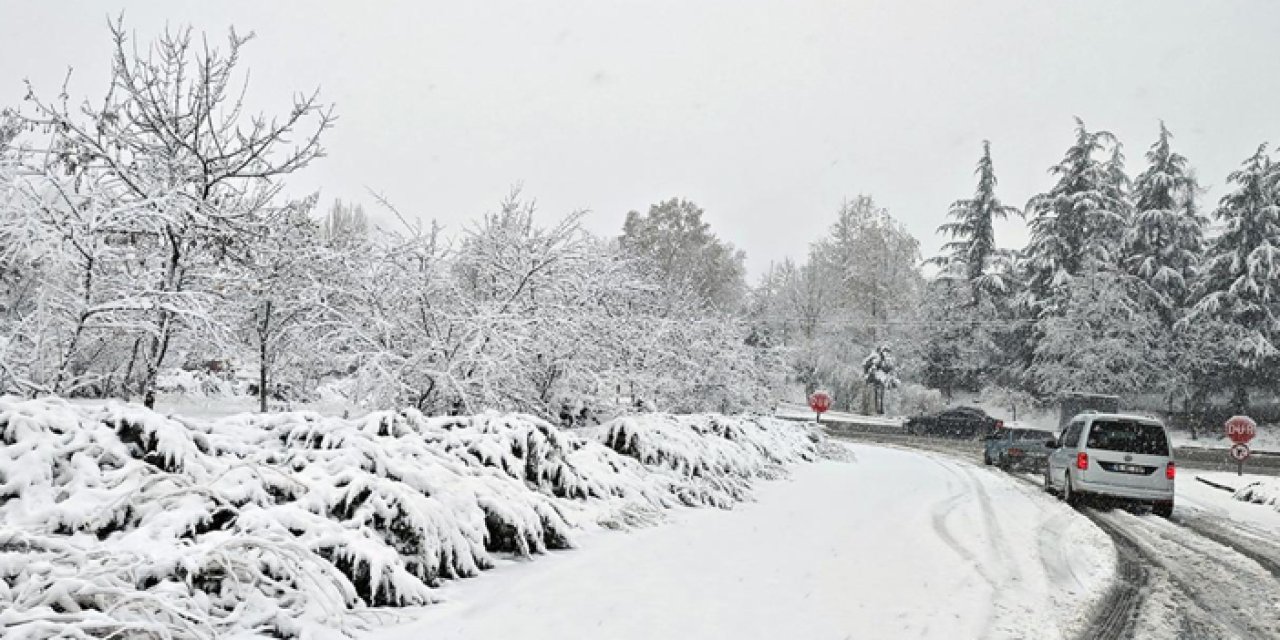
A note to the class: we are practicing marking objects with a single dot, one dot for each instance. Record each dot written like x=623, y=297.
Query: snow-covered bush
x=1261, y=492
x=119, y=520
x=914, y=399
x=713, y=459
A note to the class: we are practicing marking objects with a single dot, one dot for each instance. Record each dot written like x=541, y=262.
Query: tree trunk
x=262, y=379
x=263, y=329
x=1240, y=398
x=125, y=394
x=160, y=343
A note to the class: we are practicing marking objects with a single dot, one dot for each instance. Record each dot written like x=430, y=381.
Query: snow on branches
x=118, y=520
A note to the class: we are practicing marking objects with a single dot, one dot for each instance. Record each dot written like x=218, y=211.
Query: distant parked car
x=1116, y=456
x=959, y=422
x=1017, y=448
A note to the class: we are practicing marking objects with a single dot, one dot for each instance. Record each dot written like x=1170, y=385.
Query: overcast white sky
x=767, y=113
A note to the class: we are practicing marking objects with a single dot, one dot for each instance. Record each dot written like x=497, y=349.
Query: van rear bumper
x=1127, y=493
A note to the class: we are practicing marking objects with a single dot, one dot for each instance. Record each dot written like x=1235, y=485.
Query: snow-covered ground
x=895, y=544
x=1200, y=499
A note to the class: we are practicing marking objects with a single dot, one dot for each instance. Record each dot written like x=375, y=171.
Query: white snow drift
x=120, y=520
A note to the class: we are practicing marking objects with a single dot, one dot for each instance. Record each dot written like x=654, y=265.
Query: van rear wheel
x=1069, y=495
x=1163, y=509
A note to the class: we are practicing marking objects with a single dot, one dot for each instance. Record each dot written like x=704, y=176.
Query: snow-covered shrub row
x=118, y=520
x=715, y=457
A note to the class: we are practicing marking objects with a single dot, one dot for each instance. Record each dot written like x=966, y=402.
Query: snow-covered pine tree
x=1240, y=280
x=1077, y=227
x=972, y=252
x=1105, y=337
x=1166, y=241
x=968, y=296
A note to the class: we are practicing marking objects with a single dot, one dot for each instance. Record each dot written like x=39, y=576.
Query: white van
x=1113, y=455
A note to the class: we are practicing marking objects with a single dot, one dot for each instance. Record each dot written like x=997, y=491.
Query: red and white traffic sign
x=1240, y=452
x=820, y=401
x=1241, y=429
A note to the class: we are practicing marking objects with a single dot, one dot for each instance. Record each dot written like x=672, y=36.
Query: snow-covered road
x=896, y=544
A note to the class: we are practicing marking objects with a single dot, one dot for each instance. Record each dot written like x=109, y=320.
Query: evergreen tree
x=1106, y=337
x=972, y=252
x=1077, y=227
x=1240, y=281
x=1166, y=242
x=969, y=295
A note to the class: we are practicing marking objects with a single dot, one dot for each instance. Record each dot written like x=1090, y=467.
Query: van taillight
x=1170, y=471
x=1082, y=461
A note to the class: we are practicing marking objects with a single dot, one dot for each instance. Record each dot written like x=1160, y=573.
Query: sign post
x=1241, y=429
x=1240, y=453
x=820, y=401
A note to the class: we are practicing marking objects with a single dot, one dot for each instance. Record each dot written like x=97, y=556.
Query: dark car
x=960, y=422
x=1017, y=448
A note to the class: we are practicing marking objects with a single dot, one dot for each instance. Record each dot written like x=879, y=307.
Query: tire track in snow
x=1059, y=568
x=1117, y=616
x=940, y=516
x=1234, y=593
x=1251, y=545
x=994, y=559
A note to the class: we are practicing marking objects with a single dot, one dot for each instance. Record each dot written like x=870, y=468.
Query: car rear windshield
x=1128, y=437
x=1032, y=436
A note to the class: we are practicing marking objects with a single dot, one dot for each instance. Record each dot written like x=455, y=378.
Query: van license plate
x=1130, y=468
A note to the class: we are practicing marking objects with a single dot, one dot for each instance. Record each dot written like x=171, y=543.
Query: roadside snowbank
x=119, y=520
x=1265, y=491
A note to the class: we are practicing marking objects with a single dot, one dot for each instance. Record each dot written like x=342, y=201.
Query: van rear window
x=1128, y=437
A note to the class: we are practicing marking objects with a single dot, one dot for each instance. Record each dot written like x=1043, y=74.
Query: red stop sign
x=820, y=401
x=1241, y=429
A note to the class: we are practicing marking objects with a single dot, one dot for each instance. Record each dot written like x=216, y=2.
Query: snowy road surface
x=897, y=544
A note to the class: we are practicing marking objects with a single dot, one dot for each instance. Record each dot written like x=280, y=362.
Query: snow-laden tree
x=182, y=173
x=684, y=252
x=972, y=253
x=1078, y=226
x=966, y=303
x=963, y=343
x=859, y=287
x=540, y=317
x=880, y=372
x=1107, y=337
x=74, y=313
x=344, y=223
x=1165, y=243
x=281, y=309
x=872, y=263
x=1240, y=279
x=797, y=299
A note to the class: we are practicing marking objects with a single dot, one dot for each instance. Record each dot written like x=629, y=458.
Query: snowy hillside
x=119, y=520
